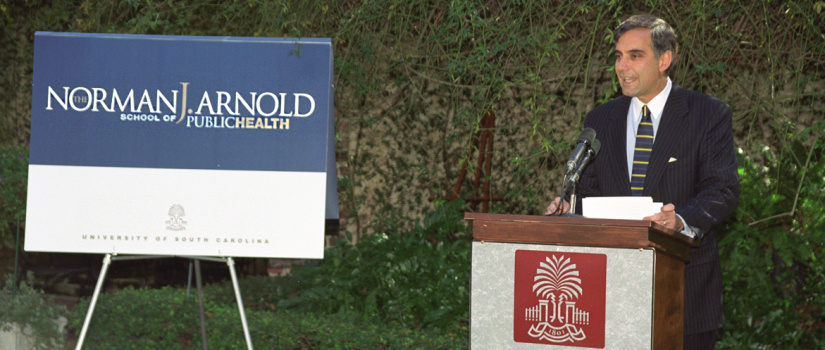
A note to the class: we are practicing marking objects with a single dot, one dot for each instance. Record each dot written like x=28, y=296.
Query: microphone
x=590, y=154
x=584, y=143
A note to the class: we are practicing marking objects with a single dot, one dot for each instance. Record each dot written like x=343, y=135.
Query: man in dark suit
x=691, y=165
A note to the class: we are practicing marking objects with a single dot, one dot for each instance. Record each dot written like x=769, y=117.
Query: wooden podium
x=637, y=276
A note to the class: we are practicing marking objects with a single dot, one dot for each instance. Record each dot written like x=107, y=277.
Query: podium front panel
x=537, y=296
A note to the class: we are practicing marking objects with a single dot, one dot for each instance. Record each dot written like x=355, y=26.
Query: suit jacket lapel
x=617, y=136
x=668, y=137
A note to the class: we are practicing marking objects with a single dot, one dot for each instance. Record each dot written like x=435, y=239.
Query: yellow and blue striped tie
x=641, y=153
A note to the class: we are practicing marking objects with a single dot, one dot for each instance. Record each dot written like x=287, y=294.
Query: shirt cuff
x=689, y=231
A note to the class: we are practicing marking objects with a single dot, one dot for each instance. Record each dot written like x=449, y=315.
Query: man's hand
x=667, y=218
x=554, y=206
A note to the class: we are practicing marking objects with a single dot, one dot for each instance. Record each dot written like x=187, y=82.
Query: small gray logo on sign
x=176, y=222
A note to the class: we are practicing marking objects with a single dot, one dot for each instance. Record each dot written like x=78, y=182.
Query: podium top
x=580, y=231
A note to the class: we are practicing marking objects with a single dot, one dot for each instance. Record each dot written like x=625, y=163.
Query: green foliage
x=417, y=278
x=772, y=248
x=166, y=318
x=30, y=310
x=14, y=170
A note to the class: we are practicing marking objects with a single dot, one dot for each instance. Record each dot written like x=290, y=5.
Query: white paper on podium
x=626, y=208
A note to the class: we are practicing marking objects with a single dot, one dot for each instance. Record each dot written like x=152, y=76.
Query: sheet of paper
x=627, y=208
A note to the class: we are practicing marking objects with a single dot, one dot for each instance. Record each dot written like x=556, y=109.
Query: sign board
x=174, y=145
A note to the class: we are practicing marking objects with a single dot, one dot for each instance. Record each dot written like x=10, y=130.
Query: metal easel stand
x=107, y=260
x=231, y=264
x=199, y=284
x=16, y=258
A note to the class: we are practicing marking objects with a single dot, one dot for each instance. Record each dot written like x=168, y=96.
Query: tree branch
x=796, y=196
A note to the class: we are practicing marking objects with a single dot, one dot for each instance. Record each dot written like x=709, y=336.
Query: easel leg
x=107, y=260
x=231, y=264
x=189, y=280
x=199, y=284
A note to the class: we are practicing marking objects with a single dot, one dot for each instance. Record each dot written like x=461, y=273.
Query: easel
x=483, y=141
x=107, y=260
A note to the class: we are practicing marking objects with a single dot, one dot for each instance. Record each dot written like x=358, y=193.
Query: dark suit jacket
x=702, y=182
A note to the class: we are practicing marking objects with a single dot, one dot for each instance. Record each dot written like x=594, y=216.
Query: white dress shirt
x=634, y=117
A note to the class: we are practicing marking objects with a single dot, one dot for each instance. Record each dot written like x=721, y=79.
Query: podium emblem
x=560, y=298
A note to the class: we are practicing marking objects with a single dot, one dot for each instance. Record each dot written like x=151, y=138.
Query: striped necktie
x=641, y=153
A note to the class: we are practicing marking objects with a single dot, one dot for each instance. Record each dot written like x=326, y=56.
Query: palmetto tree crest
x=557, y=274
x=176, y=222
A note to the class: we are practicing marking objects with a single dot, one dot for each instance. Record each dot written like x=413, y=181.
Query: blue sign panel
x=193, y=103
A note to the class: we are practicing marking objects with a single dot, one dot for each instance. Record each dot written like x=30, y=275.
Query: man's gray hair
x=662, y=36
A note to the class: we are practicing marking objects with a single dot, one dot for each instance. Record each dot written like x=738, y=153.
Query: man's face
x=640, y=73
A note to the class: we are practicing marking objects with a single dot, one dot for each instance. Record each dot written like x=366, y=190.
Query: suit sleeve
x=716, y=190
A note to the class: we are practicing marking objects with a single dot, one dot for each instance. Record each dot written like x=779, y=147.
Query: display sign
x=174, y=145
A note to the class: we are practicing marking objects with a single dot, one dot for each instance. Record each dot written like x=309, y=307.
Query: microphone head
x=587, y=135
x=596, y=147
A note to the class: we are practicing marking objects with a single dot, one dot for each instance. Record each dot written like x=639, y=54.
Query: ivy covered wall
x=414, y=78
